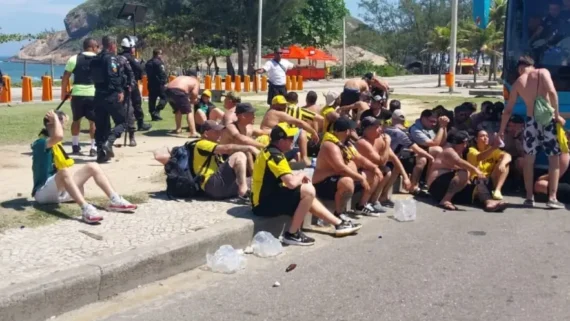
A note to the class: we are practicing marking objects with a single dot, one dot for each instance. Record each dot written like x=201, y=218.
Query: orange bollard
x=26, y=89
x=264, y=83
x=228, y=83
x=246, y=84
x=145, y=86
x=256, y=83
x=46, y=88
x=208, y=82
x=218, y=81
x=293, y=83
x=288, y=83
x=171, y=78
x=299, y=83
x=237, y=84
x=6, y=93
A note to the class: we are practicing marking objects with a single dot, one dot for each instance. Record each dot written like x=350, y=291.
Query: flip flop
x=447, y=206
x=499, y=208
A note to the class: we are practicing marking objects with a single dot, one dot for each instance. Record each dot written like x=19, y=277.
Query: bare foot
x=177, y=131
x=193, y=135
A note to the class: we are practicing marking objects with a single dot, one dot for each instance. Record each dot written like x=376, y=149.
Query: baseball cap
x=517, y=119
x=207, y=93
x=232, y=95
x=279, y=100
x=243, y=108
x=379, y=98
x=331, y=97
x=398, y=114
x=211, y=125
x=283, y=130
x=368, y=76
x=370, y=121
x=343, y=123
x=457, y=137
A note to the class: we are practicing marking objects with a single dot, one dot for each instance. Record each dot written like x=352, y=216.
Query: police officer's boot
x=142, y=126
x=108, y=149
x=132, y=141
x=101, y=155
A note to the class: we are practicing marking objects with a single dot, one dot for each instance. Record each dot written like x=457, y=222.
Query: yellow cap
x=207, y=92
x=279, y=100
x=283, y=130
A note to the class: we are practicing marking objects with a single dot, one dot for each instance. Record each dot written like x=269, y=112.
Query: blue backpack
x=181, y=181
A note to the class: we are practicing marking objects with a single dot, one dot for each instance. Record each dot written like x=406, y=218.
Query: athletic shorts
x=50, y=194
x=82, y=106
x=349, y=96
x=222, y=184
x=283, y=202
x=327, y=188
x=537, y=137
x=179, y=100
x=439, y=186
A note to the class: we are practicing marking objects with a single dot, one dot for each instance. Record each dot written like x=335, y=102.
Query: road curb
x=97, y=280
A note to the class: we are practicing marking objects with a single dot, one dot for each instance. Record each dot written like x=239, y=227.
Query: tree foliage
x=9, y=37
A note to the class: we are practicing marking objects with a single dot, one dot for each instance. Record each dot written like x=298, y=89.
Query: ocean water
x=16, y=70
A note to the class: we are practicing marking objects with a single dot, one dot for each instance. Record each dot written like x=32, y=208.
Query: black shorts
x=275, y=90
x=326, y=189
x=349, y=96
x=82, y=106
x=439, y=186
x=179, y=100
x=283, y=202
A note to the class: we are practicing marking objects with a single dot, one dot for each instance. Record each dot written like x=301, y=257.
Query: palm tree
x=478, y=41
x=497, y=17
x=439, y=39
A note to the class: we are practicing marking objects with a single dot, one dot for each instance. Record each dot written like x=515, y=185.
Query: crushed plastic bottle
x=266, y=245
x=226, y=260
x=405, y=210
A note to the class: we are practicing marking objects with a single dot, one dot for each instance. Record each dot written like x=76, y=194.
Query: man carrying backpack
x=220, y=179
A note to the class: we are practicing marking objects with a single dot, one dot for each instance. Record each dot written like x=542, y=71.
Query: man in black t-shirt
x=377, y=109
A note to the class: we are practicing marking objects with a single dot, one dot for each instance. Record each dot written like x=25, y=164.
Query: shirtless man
x=182, y=94
x=337, y=172
x=231, y=100
x=277, y=114
x=533, y=85
x=449, y=179
x=374, y=145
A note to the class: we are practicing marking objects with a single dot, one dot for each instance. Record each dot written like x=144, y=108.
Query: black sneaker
x=342, y=217
x=246, y=198
x=142, y=126
x=366, y=210
x=108, y=148
x=298, y=238
x=528, y=203
x=347, y=228
x=102, y=156
x=76, y=150
x=156, y=117
x=388, y=203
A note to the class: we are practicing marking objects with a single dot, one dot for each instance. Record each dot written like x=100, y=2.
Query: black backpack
x=181, y=181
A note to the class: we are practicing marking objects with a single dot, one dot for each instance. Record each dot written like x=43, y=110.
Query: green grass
x=23, y=213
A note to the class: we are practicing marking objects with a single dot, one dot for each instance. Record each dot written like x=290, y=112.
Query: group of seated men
x=454, y=155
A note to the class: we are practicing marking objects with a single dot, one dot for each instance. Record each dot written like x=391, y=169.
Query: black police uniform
x=108, y=79
x=129, y=83
x=157, y=80
x=136, y=98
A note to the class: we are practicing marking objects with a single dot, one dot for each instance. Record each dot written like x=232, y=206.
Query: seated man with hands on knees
x=276, y=190
x=53, y=179
x=341, y=171
x=221, y=179
x=449, y=179
x=205, y=110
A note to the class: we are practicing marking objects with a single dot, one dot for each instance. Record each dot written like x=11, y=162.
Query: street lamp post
x=259, y=34
x=453, y=44
x=343, y=48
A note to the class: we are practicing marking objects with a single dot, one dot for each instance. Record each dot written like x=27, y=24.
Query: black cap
x=457, y=137
x=517, y=119
x=211, y=125
x=343, y=123
x=369, y=121
x=243, y=108
x=368, y=76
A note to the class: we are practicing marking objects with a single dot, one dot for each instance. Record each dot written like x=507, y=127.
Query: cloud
x=11, y=7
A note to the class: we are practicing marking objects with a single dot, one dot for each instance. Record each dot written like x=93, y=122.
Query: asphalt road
x=452, y=266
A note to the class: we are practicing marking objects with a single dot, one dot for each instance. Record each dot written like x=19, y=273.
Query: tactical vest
x=82, y=71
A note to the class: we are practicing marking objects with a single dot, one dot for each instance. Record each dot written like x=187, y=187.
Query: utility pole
x=343, y=48
x=259, y=19
x=453, y=43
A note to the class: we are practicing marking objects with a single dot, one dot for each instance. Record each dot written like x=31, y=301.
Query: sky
x=34, y=16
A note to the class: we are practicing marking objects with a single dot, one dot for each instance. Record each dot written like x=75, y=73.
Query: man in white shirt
x=276, y=70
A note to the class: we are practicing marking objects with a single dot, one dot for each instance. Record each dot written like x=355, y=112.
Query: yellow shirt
x=487, y=165
x=268, y=169
x=406, y=124
x=327, y=126
x=204, y=149
x=301, y=114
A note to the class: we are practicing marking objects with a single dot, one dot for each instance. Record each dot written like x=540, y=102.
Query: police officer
x=128, y=46
x=129, y=83
x=109, y=96
x=157, y=80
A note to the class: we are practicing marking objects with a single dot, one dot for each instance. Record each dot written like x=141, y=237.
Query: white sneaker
x=90, y=214
x=121, y=205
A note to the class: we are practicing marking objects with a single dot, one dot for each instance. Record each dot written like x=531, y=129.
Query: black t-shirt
x=385, y=114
